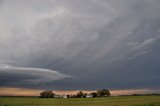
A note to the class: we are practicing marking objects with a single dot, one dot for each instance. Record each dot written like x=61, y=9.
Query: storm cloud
x=100, y=43
x=11, y=76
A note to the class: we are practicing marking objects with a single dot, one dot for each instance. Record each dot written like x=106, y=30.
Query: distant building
x=64, y=96
x=89, y=96
x=57, y=96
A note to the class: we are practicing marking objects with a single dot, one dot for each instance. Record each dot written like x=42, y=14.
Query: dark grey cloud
x=101, y=43
x=18, y=76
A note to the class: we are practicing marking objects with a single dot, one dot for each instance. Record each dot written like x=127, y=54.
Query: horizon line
x=14, y=91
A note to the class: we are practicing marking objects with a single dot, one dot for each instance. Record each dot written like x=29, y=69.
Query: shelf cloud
x=15, y=76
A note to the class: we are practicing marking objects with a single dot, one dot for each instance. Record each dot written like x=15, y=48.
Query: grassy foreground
x=110, y=101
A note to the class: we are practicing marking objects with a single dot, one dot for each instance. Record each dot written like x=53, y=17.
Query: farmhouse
x=57, y=96
x=89, y=96
x=64, y=96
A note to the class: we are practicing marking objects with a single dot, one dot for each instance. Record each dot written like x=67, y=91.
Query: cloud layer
x=92, y=40
x=18, y=76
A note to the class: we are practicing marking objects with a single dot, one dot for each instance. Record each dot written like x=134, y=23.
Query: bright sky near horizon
x=34, y=92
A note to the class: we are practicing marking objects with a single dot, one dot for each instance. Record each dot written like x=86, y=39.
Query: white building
x=64, y=96
x=57, y=96
x=89, y=96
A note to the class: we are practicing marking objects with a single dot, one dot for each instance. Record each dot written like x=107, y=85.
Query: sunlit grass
x=110, y=101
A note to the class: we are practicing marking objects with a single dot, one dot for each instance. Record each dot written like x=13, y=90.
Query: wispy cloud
x=144, y=44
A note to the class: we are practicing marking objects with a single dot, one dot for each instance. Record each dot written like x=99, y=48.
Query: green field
x=110, y=101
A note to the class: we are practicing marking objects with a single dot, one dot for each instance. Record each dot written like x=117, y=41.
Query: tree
x=94, y=94
x=47, y=94
x=84, y=95
x=103, y=93
x=80, y=94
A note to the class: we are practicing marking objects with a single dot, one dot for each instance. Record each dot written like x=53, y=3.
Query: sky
x=5, y=91
x=80, y=44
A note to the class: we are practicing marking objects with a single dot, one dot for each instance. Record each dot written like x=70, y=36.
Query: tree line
x=80, y=94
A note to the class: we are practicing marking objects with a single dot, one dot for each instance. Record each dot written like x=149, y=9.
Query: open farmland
x=110, y=101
